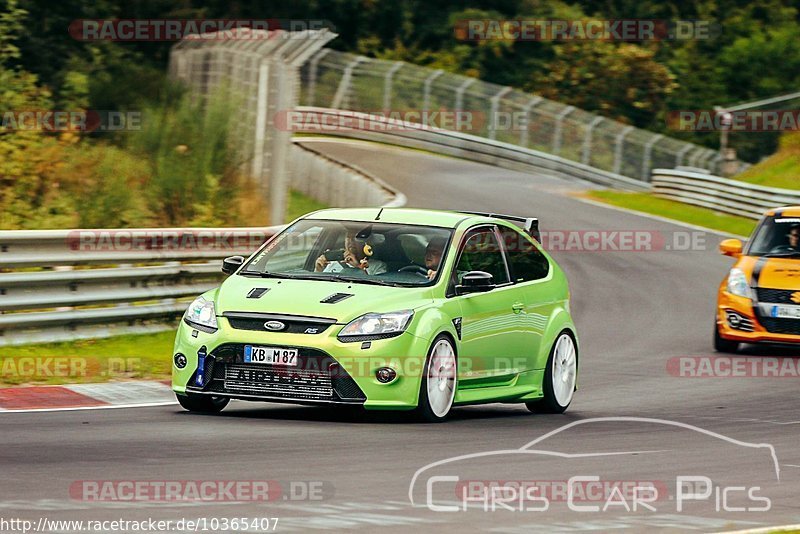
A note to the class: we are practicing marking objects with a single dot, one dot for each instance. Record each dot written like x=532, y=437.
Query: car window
x=526, y=261
x=481, y=252
x=360, y=251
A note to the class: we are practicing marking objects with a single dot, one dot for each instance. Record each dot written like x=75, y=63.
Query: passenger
x=356, y=256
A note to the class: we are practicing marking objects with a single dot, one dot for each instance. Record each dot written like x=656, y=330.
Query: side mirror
x=231, y=264
x=731, y=247
x=475, y=282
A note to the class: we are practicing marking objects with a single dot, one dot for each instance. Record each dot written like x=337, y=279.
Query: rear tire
x=560, y=377
x=724, y=345
x=439, y=381
x=202, y=403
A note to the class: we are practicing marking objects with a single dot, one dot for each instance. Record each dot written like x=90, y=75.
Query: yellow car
x=759, y=300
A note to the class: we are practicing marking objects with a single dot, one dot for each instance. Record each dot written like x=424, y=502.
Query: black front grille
x=293, y=324
x=263, y=380
x=317, y=377
x=778, y=296
x=781, y=326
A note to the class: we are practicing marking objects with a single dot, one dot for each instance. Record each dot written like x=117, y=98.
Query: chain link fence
x=344, y=81
x=258, y=70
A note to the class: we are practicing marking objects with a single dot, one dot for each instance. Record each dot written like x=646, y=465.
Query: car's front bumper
x=755, y=327
x=328, y=372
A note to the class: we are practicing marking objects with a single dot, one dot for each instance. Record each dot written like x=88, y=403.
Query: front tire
x=439, y=381
x=724, y=345
x=560, y=377
x=202, y=403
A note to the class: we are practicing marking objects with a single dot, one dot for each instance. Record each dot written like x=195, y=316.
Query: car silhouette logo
x=274, y=325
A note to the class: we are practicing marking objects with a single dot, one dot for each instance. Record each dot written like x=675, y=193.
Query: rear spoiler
x=529, y=224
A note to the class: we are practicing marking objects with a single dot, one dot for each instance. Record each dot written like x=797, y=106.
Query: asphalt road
x=635, y=310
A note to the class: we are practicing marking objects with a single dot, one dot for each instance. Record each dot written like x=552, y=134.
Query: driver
x=794, y=237
x=433, y=255
x=356, y=256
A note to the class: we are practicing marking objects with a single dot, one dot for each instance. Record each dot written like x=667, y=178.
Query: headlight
x=376, y=326
x=201, y=314
x=737, y=284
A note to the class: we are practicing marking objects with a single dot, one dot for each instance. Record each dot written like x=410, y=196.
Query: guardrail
x=356, y=125
x=142, y=280
x=727, y=196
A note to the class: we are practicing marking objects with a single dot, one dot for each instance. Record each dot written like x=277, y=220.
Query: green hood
x=302, y=297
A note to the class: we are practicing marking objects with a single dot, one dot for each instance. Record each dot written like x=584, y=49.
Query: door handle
x=518, y=307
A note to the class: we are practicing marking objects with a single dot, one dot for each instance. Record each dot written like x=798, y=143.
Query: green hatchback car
x=388, y=309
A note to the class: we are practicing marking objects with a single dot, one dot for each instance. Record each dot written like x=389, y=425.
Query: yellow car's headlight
x=738, y=284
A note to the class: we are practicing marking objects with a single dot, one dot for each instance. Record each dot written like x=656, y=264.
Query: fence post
x=344, y=84
x=460, y=92
x=387, y=85
x=586, y=155
x=493, y=113
x=682, y=154
x=618, y=148
x=312, y=76
x=560, y=128
x=426, y=99
x=259, y=152
x=695, y=156
x=715, y=163
x=648, y=153
x=523, y=135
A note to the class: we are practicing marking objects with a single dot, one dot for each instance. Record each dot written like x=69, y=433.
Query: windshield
x=777, y=237
x=363, y=252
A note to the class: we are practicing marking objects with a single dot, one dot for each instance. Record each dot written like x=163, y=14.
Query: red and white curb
x=85, y=396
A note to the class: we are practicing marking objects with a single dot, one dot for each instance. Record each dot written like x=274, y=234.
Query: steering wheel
x=416, y=269
x=781, y=248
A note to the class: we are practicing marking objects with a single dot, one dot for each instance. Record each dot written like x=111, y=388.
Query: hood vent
x=256, y=292
x=336, y=297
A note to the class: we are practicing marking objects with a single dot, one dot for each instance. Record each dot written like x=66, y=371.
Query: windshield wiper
x=783, y=255
x=373, y=281
x=347, y=279
x=266, y=274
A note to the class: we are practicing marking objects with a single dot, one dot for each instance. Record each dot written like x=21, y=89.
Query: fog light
x=180, y=361
x=734, y=320
x=385, y=375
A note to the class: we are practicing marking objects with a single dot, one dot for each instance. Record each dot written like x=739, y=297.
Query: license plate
x=786, y=312
x=270, y=355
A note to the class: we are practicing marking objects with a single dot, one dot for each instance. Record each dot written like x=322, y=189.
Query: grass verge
x=141, y=356
x=300, y=204
x=678, y=211
x=782, y=169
